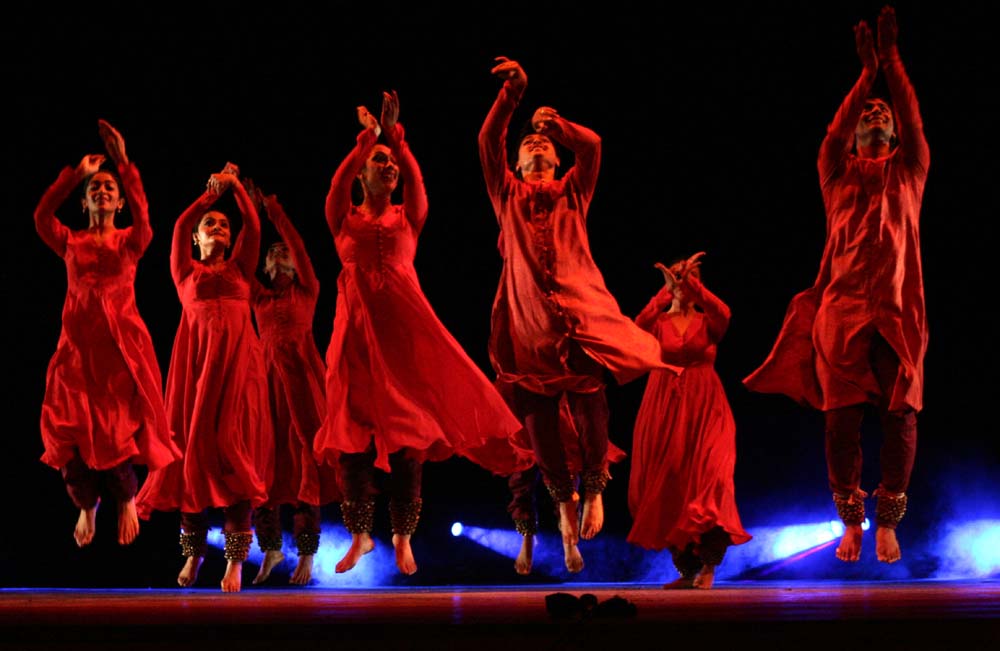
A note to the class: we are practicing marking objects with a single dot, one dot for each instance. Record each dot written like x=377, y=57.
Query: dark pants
x=899, y=434
x=267, y=521
x=85, y=485
x=237, y=519
x=358, y=481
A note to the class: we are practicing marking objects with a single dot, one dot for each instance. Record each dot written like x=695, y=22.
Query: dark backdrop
x=711, y=119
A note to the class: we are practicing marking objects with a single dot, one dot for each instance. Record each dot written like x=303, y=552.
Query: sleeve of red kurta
x=414, y=193
x=840, y=133
x=142, y=232
x=493, y=143
x=909, y=124
x=586, y=148
x=338, y=199
x=52, y=231
x=717, y=313
x=180, y=246
x=246, y=251
x=649, y=314
x=304, y=271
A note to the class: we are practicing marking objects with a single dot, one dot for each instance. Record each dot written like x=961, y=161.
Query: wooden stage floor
x=951, y=616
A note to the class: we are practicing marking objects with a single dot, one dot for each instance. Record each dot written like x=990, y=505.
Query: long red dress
x=103, y=387
x=295, y=373
x=425, y=393
x=216, y=384
x=684, y=443
x=870, y=279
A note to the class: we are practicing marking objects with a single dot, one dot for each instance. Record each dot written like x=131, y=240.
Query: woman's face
x=213, y=229
x=380, y=175
x=278, y=261
x=102, y=195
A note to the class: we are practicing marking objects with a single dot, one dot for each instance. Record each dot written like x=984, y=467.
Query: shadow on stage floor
x=802, y=615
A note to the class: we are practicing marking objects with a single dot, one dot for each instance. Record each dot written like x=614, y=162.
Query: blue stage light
x=456, y=529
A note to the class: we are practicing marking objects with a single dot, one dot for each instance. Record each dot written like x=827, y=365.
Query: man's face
x=876, y=117
x=536, y=153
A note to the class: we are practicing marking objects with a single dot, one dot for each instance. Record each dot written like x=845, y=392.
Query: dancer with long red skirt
x=681, y=491
x=103, y=408
x=856, y=339
x=284, y=307
x=556, y=330
x=216, y=386
x=400, y=390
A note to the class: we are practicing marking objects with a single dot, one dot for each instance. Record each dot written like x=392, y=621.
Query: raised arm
x=660, y=302
x=414, y=193
x=840, y=133
x=717, y=313
x=181, y=260
x=909, y=125
x=583, y=142
x=338, y=199
x=142, y=233
x=246, y=251
x=304, y=272
x=493, y=134
x=52, y=231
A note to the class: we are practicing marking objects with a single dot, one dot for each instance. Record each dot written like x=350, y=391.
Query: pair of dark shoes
x=562, y=605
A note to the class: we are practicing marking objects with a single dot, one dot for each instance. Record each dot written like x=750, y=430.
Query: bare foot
x=271, y=559
x=573, y=558
x=189, y=573
x=849, y=549
x=128, y=522
x=361, y=544
x=593, y=515
x=681, y=583
x=233, y=580
x=705, y=578
x=404, y=555
x=886, y=545
x=522, y=564
x=86, y=526
x=303, y=571
x=569, y=521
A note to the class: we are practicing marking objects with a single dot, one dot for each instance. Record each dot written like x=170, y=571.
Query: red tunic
x=295, y=372
x=388, y=351
x=103, y=387
x=216, y=385
x=684, y=443
x=870, y=278
x=551, y=292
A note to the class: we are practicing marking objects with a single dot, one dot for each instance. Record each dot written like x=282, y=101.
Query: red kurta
x=295, y=372
x=216, y=384
x=551, y=292
x=103, y=387
x=684, y=443
x=420, y=388
x=870, y=279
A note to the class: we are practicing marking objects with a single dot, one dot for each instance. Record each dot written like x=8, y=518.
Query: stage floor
x=953, y=616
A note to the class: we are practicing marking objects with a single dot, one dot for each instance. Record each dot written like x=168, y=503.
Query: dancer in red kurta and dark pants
x=284, y=308
x=216, y=386
x=103, y=409
x=859, y=334
x=556, y=330
x=400, y=390
x=681, y=493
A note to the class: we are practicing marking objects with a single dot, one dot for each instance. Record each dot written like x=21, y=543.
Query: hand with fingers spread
x=390, y=110
x=113, y=142
x=511, y=71
x=865, y=46
x=887, y=33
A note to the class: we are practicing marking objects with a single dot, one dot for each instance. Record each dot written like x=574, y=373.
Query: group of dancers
x=252, y=419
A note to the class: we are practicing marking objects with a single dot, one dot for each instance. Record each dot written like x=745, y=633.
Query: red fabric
x=216, y=384
x=103, y=387
x=551, y=291
x=295, y=373
x=684, y=443
x=393, y=371
x=870, y=278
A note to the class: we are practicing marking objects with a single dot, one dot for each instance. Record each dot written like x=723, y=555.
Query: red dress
x=295, y=373
x=216, y=385
x=388, y=350
x=551, y=292
x=870, y=279
x=103, y=387
x=684, y=443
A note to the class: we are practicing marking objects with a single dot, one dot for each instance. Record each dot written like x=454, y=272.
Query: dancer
x=103, y=408
x=216, y=386
x=284, y=307
x=681, y=492
x=858, y=336
x=400, y=389
x=556, y=330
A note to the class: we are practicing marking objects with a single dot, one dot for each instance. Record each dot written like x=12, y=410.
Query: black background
x=711, y=119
